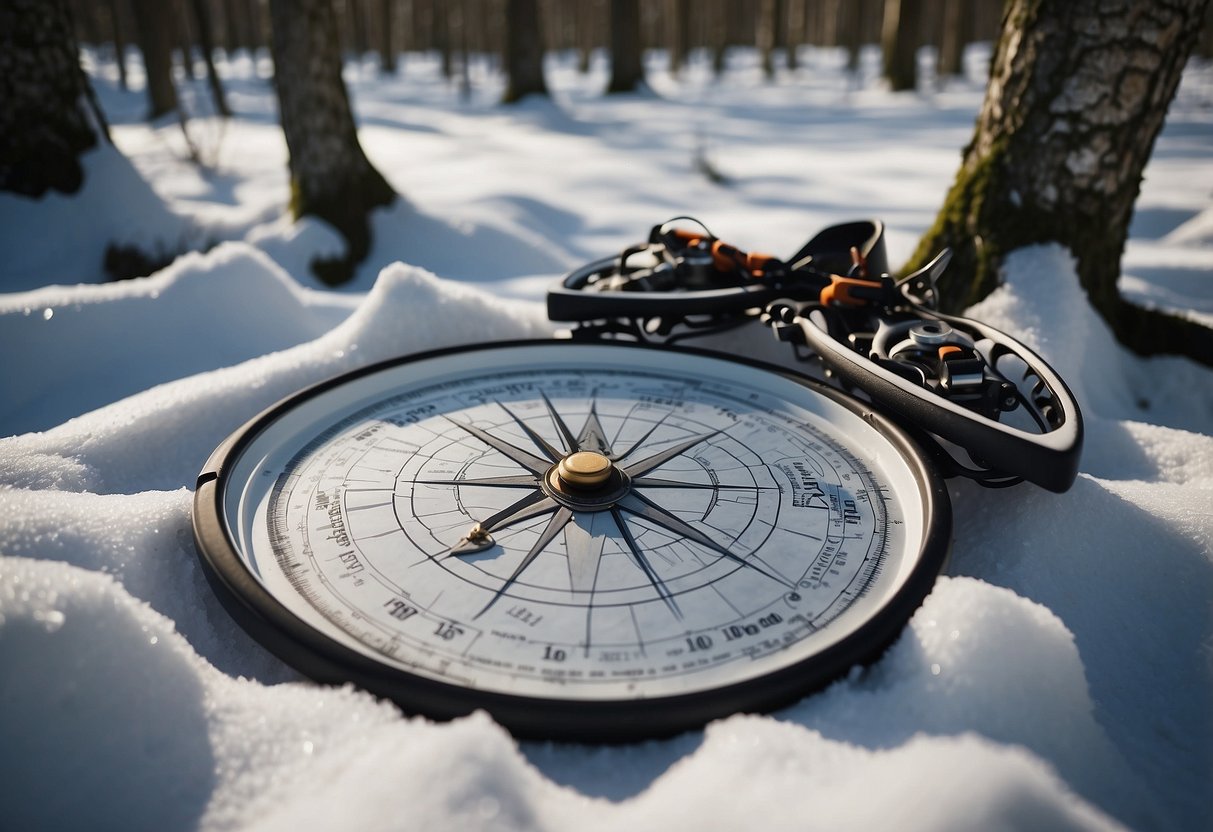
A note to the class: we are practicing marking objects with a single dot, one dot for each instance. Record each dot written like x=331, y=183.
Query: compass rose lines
x=638, y=555
x=532, y=505
x=592, y=436
x=584, y=542
x=570, y=443
x=639, y=443
x=507, y=481
x=642, y=507
x=587, y=527
x=552, y=454
x=644, y=466
x=559, y=520
x=526, y=459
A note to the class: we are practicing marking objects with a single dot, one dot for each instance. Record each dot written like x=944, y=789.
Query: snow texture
x=1058, y=676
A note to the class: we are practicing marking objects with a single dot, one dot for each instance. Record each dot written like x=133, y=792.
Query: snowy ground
x=1058, y=677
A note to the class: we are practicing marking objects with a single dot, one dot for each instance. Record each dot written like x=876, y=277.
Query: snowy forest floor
x=1058, y=677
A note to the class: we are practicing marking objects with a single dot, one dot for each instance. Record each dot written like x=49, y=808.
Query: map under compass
x=581, y=523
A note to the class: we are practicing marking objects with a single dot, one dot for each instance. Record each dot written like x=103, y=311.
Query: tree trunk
x=331, y=177
x=718, y=35
x=797, y=22
x=627, y=69
x=206, y=40
x=957, y=26
x=49, y=117
x=185, y=39
x=679, y=13
x=384, y=36
x=153, y=28
x=1077, y=95
x=523, y=53
x=900, y=37
x=850, y=27
x=766, y=34
x=116, y=24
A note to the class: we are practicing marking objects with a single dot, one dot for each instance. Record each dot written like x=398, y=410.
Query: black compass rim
x=324, y=660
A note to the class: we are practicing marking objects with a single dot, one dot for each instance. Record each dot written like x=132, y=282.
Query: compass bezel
x=325, y=660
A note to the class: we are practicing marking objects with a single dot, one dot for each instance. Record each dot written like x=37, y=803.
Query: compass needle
x=532, y=505
x=435, y=530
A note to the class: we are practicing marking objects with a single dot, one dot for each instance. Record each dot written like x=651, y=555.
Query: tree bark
x=523, y=54
x=331, y=177
x=385, y=38
x=1078, y=93
x=116, y=26
x=766, y=34
x=49, y=117
x=153, y=29
x=957, y=26
x=627, y=69
x=679, y=14
x=900, y=39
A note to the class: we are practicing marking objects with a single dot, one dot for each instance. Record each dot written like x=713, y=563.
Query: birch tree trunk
x=1077, y=95
x=331, y=177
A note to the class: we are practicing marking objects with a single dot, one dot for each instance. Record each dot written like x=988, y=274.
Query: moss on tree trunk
x=1077, y=96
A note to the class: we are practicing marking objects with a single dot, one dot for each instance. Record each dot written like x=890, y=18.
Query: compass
x=590, y=541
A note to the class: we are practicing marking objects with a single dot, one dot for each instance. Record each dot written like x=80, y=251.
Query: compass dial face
x=574, y=523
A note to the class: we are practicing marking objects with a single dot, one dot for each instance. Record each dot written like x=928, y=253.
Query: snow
x=1058, y=677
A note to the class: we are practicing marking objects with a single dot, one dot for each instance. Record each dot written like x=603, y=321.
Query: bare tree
x=523, y=54
x=50, y=116
x=1078, y=93
x=627, y=69
x=331, y=178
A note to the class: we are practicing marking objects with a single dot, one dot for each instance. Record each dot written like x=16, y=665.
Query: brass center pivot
x=583, y=470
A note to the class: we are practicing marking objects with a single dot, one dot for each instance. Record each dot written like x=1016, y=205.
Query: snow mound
x=72, y=247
